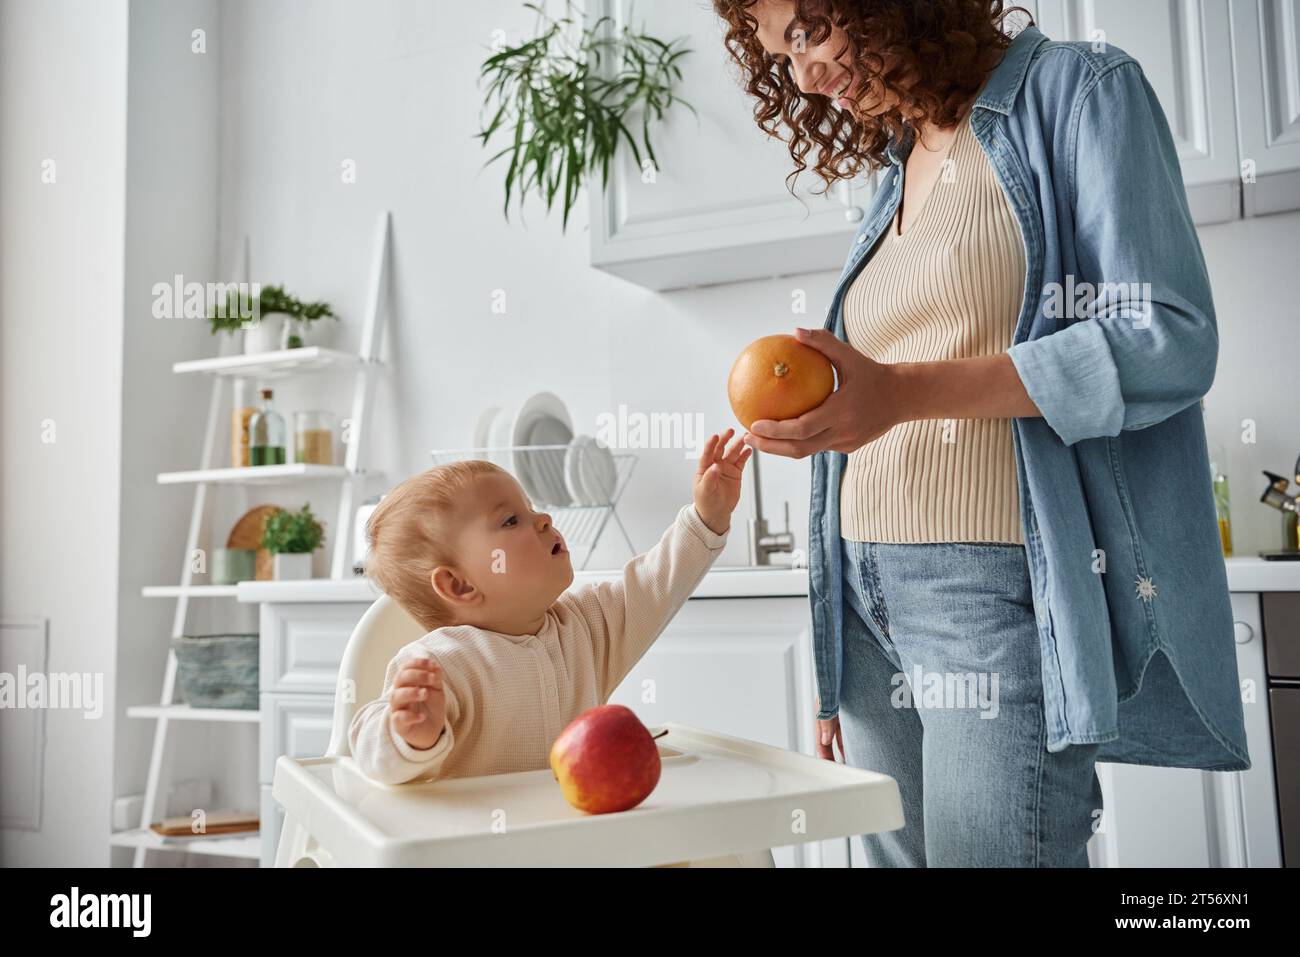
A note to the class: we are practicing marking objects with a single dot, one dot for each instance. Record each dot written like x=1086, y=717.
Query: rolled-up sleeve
x=1146, y=345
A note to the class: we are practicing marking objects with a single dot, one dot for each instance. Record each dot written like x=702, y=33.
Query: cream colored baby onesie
x=509, y=696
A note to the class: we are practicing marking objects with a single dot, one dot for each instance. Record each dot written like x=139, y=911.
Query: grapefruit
x=778, y=377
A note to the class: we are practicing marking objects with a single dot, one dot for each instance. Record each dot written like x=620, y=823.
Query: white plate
x=535, y=407
x=573, y=470
x=590, y=471
x=598, y=473
x=546, y=466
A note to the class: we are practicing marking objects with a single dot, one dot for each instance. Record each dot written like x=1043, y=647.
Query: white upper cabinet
x=1227, y=73
x=1266, y=50
x=1185, y=49
x=717, y=209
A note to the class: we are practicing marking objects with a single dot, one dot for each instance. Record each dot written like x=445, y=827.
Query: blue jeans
x=942, y=690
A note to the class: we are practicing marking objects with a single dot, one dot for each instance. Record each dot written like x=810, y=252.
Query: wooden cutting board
x=247, y=533
x=217, y=822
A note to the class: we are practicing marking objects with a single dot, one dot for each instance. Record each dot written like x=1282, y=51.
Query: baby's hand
x=418, y=703
x=717, y=480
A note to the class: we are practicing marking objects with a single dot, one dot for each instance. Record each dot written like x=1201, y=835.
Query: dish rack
x=581, y=523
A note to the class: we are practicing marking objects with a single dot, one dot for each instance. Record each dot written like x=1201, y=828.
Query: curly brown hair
x=940, y=53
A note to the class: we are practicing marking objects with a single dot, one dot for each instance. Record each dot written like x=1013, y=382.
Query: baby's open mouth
x=558, y=548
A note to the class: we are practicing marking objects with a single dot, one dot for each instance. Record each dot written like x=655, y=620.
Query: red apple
x=605, y=760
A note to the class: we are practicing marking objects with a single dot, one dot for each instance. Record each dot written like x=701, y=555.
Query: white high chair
x=381, y=633
x=384, y=630
x=716, y=793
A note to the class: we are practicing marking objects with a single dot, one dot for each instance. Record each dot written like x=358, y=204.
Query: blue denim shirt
x=1129, y=583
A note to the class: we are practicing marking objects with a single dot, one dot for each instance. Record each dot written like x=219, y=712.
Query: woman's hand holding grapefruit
x=864, y=407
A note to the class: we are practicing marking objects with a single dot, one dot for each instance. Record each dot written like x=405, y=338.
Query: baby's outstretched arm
x=404, y=734
x=626, y=615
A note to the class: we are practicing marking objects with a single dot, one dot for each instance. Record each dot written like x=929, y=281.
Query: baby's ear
x=452, y=588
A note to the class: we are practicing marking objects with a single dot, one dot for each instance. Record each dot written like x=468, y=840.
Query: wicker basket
x=217, y=671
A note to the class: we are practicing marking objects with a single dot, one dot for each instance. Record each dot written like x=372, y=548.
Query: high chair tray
x=716, y=795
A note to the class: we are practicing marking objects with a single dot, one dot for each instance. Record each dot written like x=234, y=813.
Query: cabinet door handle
x=1242, y=632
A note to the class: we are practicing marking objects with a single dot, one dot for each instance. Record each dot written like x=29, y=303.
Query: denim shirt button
x=862, y=239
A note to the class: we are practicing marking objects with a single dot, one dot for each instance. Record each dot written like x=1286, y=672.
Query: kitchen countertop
x=1252, y=573
x=724, y=581
x=1245, y=574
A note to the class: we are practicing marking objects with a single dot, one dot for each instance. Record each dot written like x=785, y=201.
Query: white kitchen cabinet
x=294, y=724
x=1154, y=817
x=302, y=645
x=741, y=666
x=1246, y=830
x=1266, y=56
x=1184, y=817
x=1227, y=73
x=1185, y=48
x=300, y=649
x=717, y=208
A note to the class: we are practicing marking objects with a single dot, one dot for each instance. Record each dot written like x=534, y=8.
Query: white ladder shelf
x=227, y=366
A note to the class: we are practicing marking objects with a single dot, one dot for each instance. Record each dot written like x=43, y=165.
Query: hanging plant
x=567, y=100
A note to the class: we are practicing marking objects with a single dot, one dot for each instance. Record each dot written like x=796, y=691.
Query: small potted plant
x=291, y=537
x=281, y=319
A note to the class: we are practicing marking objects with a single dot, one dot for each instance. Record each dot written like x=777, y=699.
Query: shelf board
x=190, y=591
x=245, y=845
x=273, y=365
x=258, y=474
x=184, y=712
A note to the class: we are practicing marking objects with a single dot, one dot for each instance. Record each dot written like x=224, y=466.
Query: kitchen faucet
x=763, y=544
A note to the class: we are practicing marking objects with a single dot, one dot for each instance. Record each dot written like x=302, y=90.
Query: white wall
x=63, y=98
x=171, y=228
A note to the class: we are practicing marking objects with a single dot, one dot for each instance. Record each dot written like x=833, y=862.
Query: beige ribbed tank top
x=948, y=288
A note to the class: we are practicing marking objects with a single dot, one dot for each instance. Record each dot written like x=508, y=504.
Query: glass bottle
x=239, y=417
x=1219, y=480
x=266, y=435
x=1221, y=509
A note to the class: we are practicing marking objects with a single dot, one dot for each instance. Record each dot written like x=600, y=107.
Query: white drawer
x=302, y=644
x=732, y=665
x=294, y=724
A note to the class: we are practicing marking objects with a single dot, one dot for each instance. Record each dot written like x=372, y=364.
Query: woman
x=1015, y=567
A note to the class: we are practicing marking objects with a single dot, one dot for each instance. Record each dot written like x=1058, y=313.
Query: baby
x=511, y=657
